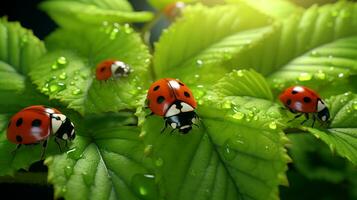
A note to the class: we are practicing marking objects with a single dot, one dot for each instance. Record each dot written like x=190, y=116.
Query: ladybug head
x=183, y=121
x=120, y=69
x=322, y=111
x=62, y=127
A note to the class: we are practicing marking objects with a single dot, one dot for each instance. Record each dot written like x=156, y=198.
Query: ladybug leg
x=296, y=116
x=149, y=115
x=17, y=147
x=307, y=118
x=44, y=146
x=59, y=146
x=162, y=130
x=172, y=131
x=313, y=121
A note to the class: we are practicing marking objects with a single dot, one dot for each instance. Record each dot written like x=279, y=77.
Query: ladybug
x=173, y=100
x=35, y=124
x=303, y=100
x=112, y=68
x=174, y=9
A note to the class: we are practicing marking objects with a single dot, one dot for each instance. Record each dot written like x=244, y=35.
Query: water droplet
x=44, y=88
x=144, y=186
x=61, y=60
x=354, y=105
x=238, y=115
x=273, y=114
x=68, y=170
x=226, y=104
x=341, y=75
x=56, y=87
x=64, y=189
x=76, y=91
x=320, y=75
x=148, y=150
x=113, y=33
x=127, y=29
x=72, y=83
x=304, y=77
x=197, y=76
x=199, y=63
x=159, y=162
x=240, y=73
x=272, y=125
x=62, y=76
x=229, y=153
x=314, y=53
x=87, y=178
x=250, y=113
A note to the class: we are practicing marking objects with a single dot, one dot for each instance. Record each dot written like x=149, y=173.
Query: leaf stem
x=146, y=30
x=39, y=178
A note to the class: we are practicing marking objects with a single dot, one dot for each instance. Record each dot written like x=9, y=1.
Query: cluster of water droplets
x=114, y=29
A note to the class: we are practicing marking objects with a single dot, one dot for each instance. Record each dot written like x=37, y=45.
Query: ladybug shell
x=164, y=92
x=300, y=99
x=30, y=125
x=104, y=71
x=174, y=9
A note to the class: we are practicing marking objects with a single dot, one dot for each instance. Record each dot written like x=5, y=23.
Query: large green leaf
x=329, y=69
x=193, y=49
x=19, y=49
x=73, y=14
x=278, y=9
x=300, y=33
x=67, y=73
x=237, y=152
x=342, y=133
x=106, y=161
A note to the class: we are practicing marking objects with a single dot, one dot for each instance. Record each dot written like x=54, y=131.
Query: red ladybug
x=174, y=101
x=174, y=9
x=303, y=100
x=112, y=68
x=36, y=124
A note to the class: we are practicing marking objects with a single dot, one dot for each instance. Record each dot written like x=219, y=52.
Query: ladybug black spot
x=19, y=122
x=36, y=123
x=18, y=138
x=288, y=102
x=307, y=99
x=119, y=71
x=102, y=69
x=294, y=92
x=160, y=99
x=181, y=84
x=156, y=87
x=186, y=94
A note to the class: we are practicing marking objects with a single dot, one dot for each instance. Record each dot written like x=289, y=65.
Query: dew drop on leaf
x=159, y=162
x=62, y=76
x=113, y=33
x=76, y=91
x=56, y=87
x=272, y=125
x=240, y=73
x=304, y=76
x=199, y=63
x=354, y=105
x=341, y=75
x=61, y=60
x=148, y=150
x=72, y=83
x=228, y=153
x=68, y=170
x=320, y=75
x=238, y=115
x=144, y=186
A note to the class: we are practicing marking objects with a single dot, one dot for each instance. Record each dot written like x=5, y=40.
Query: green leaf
x=73, y=14
x=106, y=161
x=161, y=4
x=328, y=69
x=200, y=47
x=278, y=9
x=342, y=134
x=19, y=49
x=314, y=160
x=237, y=152
x=243, y=83
x=68, y=72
